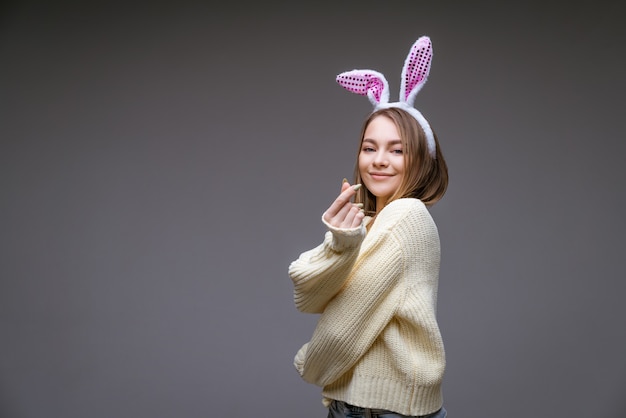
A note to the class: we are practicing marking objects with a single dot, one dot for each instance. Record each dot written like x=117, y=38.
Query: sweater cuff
x=298, y=361
x=345, y=238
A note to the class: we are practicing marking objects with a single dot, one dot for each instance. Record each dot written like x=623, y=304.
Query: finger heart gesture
x=342, y=213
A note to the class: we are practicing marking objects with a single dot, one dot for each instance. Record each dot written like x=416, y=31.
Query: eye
x=397, y=151
x=367, y=148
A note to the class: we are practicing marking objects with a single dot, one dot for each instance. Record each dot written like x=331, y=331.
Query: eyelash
x=370, y=149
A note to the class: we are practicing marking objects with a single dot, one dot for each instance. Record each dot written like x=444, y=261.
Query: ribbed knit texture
x=377, y=343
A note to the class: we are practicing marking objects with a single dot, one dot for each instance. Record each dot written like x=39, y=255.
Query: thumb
x=344, y=185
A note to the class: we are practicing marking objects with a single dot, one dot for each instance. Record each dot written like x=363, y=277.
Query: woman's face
x=381, y=159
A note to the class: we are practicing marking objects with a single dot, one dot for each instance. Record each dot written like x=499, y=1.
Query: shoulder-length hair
x=425, y=177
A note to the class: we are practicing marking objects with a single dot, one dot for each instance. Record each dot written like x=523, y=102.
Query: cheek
x=398, y=165
x=362, y=163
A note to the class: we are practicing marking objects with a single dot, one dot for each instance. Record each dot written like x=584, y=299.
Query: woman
x=377, y=349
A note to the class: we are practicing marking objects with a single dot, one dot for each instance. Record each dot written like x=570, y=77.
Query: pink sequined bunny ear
x=414, y=74
x=416, y=69
x=366, y=83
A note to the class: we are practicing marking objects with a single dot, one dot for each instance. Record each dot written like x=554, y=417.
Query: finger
x=348, y=221
x=359, y=215
x=344, y=212
x=355, y=210
x=342, y=199
x=344, y=185
x=358, y=219
x=336, y=214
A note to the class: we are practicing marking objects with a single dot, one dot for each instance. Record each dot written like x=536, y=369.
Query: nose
x=381, y=159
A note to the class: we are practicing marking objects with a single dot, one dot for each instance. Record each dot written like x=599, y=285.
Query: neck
x=380, y=204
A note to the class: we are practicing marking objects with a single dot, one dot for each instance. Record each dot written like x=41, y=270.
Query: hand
x=343, y=213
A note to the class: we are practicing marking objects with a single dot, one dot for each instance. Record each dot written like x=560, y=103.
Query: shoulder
x=406, y=204
x=406, y=216
x=401, y=209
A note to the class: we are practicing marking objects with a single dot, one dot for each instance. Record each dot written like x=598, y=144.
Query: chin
x=384, y=196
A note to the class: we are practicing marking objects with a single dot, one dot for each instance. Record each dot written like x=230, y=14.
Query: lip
x=380, y=176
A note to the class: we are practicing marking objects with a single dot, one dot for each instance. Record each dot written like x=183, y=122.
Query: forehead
x=381, y=128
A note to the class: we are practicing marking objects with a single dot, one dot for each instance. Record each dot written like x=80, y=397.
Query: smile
x=380, y=176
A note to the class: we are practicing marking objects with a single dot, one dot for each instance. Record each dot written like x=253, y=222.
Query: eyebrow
x=391, y=142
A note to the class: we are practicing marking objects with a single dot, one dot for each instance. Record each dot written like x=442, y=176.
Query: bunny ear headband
x=414, y=74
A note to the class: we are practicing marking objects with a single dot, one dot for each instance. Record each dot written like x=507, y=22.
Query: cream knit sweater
x=377, y=343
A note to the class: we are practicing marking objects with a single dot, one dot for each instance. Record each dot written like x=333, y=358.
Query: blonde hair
x=425, y=178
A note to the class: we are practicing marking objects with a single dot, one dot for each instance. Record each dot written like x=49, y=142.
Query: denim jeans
x=340, y=409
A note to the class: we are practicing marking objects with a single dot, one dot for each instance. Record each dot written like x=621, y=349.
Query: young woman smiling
x=376, y=350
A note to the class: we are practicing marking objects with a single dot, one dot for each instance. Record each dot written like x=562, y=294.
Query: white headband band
x=414, y=74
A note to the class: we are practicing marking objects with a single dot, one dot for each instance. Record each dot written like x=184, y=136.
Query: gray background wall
x=161, y=164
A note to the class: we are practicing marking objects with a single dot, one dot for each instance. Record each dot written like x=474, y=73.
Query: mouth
x=380, y=176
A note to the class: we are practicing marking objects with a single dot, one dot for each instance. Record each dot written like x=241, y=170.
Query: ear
x=416, y=69
x=366, y=83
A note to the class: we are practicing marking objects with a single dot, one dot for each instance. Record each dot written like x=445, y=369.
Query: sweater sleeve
x=318, y=274
x=358, y=314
